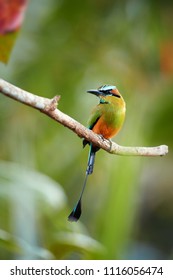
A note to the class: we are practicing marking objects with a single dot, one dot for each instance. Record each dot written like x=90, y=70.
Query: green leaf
x=70, y=242
x=6, y=44
x=14, y=176
x=19, y=246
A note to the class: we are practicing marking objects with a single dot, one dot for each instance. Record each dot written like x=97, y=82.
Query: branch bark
x=49, y=107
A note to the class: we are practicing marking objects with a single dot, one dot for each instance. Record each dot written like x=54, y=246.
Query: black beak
x=95, y=92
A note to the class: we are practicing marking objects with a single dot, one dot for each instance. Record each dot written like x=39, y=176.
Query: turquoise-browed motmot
x=106, y=120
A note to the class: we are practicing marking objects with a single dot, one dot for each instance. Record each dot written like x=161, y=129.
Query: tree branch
x=49, y=107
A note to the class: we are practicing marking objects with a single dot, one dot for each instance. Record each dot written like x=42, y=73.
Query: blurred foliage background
x=67, y=47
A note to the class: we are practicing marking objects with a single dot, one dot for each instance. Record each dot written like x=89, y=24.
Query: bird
x=106, y=120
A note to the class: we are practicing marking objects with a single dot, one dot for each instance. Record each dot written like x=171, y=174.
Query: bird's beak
x=95, y=92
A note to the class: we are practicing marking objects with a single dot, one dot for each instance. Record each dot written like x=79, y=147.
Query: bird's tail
x=91, y=160
x=76, y=212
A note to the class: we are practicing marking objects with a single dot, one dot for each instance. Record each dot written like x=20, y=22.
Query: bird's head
x=106, y=90
x=107, y=93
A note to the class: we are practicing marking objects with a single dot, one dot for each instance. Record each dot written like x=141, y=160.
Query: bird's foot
x=104, y=139
x=110, y=142
x=101, y=137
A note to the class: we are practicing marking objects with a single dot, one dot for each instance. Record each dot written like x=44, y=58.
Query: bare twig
x=49, y=107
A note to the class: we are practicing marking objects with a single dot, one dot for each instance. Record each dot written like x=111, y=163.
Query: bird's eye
x=115, y=95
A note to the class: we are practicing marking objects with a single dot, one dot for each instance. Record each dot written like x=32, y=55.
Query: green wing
x=94, y=117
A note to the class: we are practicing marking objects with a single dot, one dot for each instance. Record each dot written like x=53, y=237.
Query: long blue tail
x=76, y=212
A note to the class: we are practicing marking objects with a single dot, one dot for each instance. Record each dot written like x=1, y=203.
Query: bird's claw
x=101, y=137
x=110, y=142
x=104, y=139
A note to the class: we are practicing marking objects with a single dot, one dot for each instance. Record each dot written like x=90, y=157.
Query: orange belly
x=105, y=130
